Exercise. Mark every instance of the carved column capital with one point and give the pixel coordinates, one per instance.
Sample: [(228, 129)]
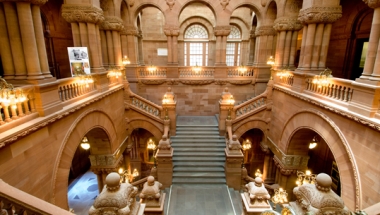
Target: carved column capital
[(265, 30), (320, 15), (252, 32), (112, 23), (287, 24), (82, 13), (171, 30), (130, 30), (372, 3), (222, 30)]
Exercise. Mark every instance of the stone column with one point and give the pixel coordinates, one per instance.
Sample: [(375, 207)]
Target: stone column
[(87, 18), (132, 33), (287, 28), (221, 33), (140, 49), (164, 159), (252, 43), (372, 62), (267, 157), (316, 36), (265, 47), (112, 26), (172, 33), (22, 42)]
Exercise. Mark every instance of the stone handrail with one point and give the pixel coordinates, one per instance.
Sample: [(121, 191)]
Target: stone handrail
[(145, 105), (70, 88), (250, 105), (338, 89), (14, 201), (153, 72), (287, 79), (139, 183), (237, 72), (189, 72)]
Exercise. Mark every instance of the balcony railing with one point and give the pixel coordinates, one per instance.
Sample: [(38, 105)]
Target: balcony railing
[(152, 72), (189, 72), (236, 72), (70, 88), (338, 89)]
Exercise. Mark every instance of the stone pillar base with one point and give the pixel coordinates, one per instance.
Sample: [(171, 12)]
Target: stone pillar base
[(253, 209), (157, 208), (165, 167), (233, 169)]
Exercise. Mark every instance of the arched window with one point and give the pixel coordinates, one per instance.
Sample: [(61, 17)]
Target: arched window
[(196, 46), (233, 47)]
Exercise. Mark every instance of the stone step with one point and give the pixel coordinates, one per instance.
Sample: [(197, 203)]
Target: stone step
[(198, 154), (197, 137), (198, 169), (195, 140), (199, 181), (197, 128), (198, 164), (199, 149), (200, 133), (199, 174), (199, 159), (198, 145)]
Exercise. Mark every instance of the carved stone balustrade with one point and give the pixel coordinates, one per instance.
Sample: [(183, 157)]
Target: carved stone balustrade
[(145, 106), (250, 106)]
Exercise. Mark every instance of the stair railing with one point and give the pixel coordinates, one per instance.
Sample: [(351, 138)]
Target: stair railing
[(14, 201), (146, 106)]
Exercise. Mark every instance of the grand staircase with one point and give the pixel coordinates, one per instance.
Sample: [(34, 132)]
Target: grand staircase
[(198, 155)]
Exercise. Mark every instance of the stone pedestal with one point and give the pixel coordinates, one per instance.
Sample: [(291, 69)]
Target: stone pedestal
[(154, 207), (253, 209), (365, 99), (165, 167), (233, 168)]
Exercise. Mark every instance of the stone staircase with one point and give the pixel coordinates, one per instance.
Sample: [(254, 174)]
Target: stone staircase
[(198, 155)]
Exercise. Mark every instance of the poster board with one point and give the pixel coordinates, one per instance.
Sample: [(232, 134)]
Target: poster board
[(79, 61)]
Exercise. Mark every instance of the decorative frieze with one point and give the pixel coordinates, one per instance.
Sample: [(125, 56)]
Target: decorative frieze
[(82, 13), (320, 15), (265, 31), (287, 24), (112, 23), (222, 30), (372, 3)]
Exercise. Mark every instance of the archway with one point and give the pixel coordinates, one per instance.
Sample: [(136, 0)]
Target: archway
[(253, 156), (333, 136)]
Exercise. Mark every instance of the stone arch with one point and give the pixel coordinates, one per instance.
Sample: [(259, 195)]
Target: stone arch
[(270, 13), (196, 20), (243, 27), (141, 123), (289, 8), (125, 13), (333, 136), (251, 6), (249, 124), (92, 118), (210, 5), (143, 5)]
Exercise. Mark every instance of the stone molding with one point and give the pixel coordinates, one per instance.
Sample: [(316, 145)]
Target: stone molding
[(240, 82), (356, 118), (171, 30), (193, 82), (222, 30), (112, 23), (130, 30), (196, 82), (82, 13), (372, 3), (153, 81), (56, 117), (266, 30), (320, 15), (170, 3), (287, 24), (284, 170)]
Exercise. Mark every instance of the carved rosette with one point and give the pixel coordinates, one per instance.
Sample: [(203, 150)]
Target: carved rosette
[(372, 3), (222, 30), (320, 15), (287, 24), (82, 13), (170, 30), (265, 31), (112, 23)]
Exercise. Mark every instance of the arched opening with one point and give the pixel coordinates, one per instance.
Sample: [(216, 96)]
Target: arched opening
[(83, 183), (253, 155), (307, 142)]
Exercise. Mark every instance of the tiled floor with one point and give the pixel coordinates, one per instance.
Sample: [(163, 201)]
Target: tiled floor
[(82, 193), (197, 120), (200, 200)]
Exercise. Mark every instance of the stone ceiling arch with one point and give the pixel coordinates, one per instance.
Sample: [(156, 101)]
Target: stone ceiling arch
[(196, 20), (145, 4), (334, 138), (254, 123), (211, 5), (270, 13), (125, 13), (243, 27), (141, 123), (251, 5), (92, 118)]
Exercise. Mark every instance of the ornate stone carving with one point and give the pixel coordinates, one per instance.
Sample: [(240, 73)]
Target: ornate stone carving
[(112, 23), (221, 82), (173, 82), (151, 191), (257, 191), (165, 143), (287, 24), (318, 198), (265, 31), (131, 3), (171, 30), (282, 168), (372, 3), (82, 13), (222, 30), (252, 32), (320, 15), (196, 82), (117, 198), (170, 3), (240, 82), (295, 6), (234, 144), (130, 30), (153, 81), (224, 3)]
